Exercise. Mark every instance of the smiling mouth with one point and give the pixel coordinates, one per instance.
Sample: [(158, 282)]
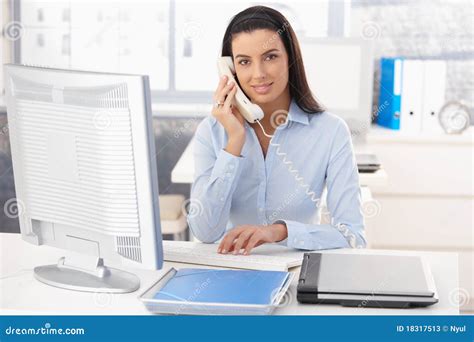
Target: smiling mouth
[(262, 89)]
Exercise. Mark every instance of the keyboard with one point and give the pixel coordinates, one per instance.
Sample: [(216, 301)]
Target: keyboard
[(268, 257)]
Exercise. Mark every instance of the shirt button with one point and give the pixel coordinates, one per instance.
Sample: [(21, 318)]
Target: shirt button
[(222, 199)]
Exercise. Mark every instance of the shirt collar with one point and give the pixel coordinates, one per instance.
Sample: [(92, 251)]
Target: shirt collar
[(296, 114)]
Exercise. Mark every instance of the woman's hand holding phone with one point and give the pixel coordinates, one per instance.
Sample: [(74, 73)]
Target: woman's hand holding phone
[(228, 115)]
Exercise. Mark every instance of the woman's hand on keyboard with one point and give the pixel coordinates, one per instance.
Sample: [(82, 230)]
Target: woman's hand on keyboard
[(247, 237)]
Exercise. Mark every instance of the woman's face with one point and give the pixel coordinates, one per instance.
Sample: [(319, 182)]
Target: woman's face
[(261, 64)]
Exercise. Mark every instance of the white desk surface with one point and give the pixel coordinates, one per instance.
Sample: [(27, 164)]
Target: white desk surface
[(21, 294), (183, 171)]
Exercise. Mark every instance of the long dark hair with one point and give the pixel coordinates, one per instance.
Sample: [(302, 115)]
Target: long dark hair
[(262, 17)]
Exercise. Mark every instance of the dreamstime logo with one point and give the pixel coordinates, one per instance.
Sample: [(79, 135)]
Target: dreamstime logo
[(278, 33), (459, 296), (192, 207), (46, 330), (186, 127), (102, 119), (286, 202), (103, 299), (286, 300), (370, 30), (198, 289), (350, 237), (371, 298), (4, 130), (13, 30), (458, 120), (191, 30), (325, 213), (380, 109), (358, 129), (371, 208), (14, 208), (279, 119)]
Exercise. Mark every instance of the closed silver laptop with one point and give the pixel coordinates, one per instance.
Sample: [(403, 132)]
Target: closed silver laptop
[(366, 280)]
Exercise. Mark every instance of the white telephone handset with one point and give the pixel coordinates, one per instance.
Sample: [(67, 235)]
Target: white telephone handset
[(249, 110)]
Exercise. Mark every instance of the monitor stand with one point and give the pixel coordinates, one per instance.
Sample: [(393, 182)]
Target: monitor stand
[(92, 278)]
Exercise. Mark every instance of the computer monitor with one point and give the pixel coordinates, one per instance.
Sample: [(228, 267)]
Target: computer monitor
[(85, 173), (340, 73)]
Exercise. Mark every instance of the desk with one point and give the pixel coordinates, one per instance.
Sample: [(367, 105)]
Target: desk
[(21, 294), (183, 171)]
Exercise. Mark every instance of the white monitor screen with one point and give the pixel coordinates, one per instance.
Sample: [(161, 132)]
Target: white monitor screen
[(333, 73), (340, 75)]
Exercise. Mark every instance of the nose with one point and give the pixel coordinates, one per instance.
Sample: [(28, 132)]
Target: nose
[(258, 71)]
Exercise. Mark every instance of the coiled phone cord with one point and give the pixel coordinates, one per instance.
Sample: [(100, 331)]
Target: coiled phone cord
[(349, 236)]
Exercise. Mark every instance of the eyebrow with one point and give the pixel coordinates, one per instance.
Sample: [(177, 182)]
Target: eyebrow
[(271, 50)]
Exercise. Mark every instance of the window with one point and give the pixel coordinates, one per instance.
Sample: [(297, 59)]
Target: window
[(126, 37), (199, 32), (175, 42)]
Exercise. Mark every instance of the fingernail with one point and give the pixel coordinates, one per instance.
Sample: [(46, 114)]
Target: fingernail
[(235, 252), (224, 251), (224, 77)]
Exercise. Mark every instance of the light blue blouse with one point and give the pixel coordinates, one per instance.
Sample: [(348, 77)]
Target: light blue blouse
[(306, 154)]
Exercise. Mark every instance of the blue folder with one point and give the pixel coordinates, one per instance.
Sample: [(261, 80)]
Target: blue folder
[(389, 109), (223, 286)]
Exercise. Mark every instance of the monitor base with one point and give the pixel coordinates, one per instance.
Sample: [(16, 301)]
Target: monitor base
[(103, 279)]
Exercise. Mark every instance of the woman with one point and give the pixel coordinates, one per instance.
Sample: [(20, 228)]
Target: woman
[(253, 189)]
